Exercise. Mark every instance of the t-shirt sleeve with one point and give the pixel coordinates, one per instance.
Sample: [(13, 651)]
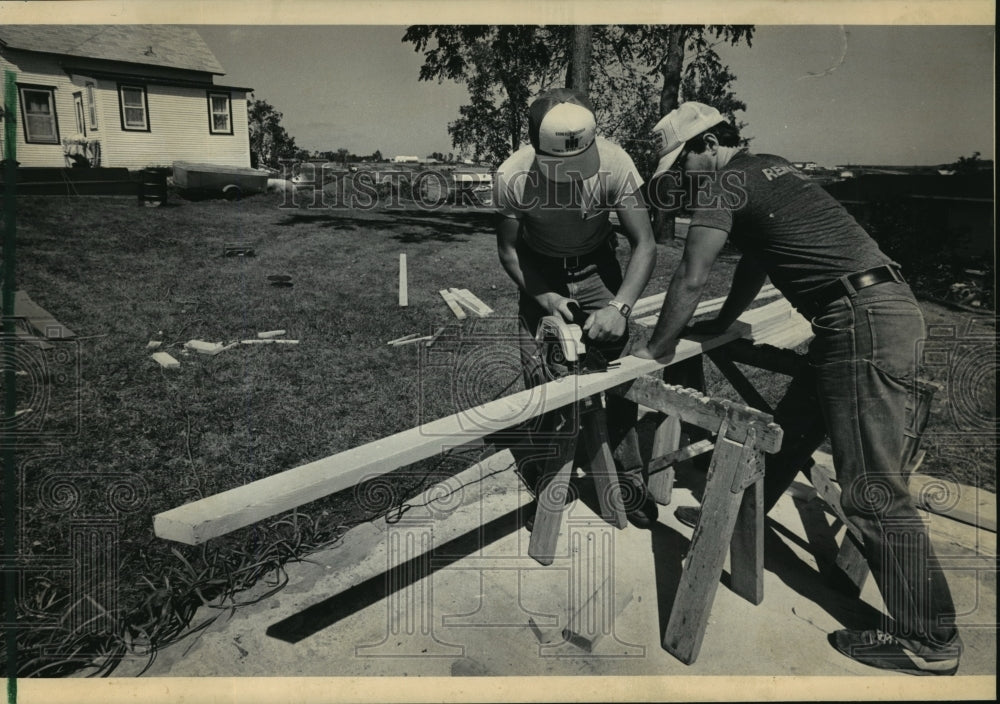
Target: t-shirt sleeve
[(712, 206), (505, 193), (624, 181), (718, 218)]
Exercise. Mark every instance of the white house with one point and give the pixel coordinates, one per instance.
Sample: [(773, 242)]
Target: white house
[(121, 96), (406, 160)]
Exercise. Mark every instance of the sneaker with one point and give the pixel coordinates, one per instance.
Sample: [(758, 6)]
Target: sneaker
[(688, 515), (879, 649)]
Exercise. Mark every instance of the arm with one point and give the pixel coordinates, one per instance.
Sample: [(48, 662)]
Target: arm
[(747, 281), (607, 323), (523, 274), (702, 248)]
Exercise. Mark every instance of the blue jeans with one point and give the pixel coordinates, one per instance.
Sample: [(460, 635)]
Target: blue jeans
[(864, 355), (592, 286)]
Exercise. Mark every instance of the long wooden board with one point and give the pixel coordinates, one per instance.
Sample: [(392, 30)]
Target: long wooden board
[(39, 319), (198, 521)]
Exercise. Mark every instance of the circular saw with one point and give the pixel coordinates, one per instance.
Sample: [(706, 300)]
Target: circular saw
[(563, 346)]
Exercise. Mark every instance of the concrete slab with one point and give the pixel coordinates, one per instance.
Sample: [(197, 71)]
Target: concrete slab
[(448, 590)]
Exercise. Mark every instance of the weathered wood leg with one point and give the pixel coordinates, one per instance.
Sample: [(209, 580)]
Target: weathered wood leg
[(851, 568), (602, 465), (706, 556), (666, 439), (746, 550), (551, 504)]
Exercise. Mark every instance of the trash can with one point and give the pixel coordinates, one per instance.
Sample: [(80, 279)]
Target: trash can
[(152, 188)]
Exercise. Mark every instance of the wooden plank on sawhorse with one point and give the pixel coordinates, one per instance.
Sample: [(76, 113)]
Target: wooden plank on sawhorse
[(559, 470)]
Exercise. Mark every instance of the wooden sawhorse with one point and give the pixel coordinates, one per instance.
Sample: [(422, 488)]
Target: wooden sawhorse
[(731, 511), (850, 568)]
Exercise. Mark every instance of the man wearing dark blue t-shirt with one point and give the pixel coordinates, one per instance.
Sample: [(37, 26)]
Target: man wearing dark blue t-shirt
[(866, 324)]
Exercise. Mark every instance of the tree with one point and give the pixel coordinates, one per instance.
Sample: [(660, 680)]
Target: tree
[(578, 76), (636, 74), (502, 66), (269, 142), (969, 164), (342, 155)]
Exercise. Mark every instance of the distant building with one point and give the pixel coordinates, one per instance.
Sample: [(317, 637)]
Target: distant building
[(121, 96), (406, 160), (806, 165)]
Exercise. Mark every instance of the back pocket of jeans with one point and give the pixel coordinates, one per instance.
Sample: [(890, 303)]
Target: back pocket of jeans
[(896, 329)]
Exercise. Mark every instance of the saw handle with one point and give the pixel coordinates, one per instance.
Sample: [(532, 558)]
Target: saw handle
[(579, 317)]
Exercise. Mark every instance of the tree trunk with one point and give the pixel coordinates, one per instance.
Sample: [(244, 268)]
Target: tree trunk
[(670, 69), (578, 77)]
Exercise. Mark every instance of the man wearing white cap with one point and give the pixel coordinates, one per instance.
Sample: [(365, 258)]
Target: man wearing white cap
[(555, 240), (866, 324)]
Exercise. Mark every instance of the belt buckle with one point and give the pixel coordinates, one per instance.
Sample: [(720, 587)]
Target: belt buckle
[(576, 262)]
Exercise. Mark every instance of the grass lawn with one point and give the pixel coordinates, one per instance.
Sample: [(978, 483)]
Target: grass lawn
[(105, 414)]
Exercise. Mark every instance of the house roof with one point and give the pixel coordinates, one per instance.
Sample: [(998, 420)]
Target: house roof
[(154, 45), (151, 80)]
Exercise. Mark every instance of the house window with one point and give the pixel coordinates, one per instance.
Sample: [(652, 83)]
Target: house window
[(81, 125), (38, 112), (134, 108), (220, 113), (92, 105)]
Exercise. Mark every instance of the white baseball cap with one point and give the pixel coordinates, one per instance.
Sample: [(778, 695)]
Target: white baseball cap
[(562, 129), (680, 125)]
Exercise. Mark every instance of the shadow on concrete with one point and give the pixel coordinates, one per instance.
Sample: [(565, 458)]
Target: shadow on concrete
[(329, 611), (780, 559), (669, 549)]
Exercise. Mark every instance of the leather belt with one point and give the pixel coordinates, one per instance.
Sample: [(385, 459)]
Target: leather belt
[(858, 280), (579, 261)]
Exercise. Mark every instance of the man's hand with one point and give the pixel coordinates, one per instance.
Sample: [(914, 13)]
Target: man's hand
[(662, 353), (554, 304), (707, 327), (605, 325)]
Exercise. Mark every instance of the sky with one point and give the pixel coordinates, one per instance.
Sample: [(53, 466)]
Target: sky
[(830, 94)]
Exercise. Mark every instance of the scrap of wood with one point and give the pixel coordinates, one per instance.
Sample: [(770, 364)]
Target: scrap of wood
[(435, 336), (153, 344), (198, 521), (470, 301), (39, 319), (165, 360), (452, 302), (240, 249), (268, 334), (412, 340), (269, 342), (203, 347), (587, 624), (404, 338), (403, 295)]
